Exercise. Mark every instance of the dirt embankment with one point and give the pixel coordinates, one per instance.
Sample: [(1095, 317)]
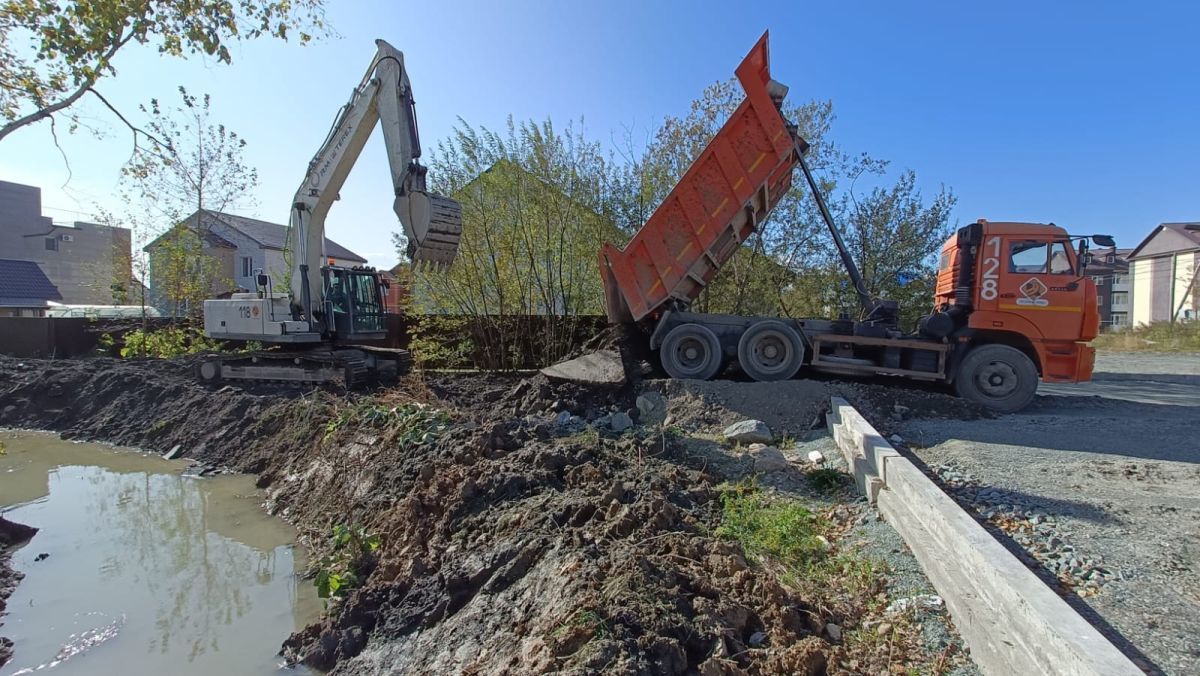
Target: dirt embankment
[(11, 535), (510, 542)]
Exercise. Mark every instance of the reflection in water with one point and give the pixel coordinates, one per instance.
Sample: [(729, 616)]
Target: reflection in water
[(205, 580)]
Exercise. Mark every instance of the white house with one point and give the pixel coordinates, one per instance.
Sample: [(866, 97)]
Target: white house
[(242, 246), (1163, 271)]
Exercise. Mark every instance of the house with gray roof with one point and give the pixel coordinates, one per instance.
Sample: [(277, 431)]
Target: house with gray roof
[(1164, 270), (235, 249), (25, 291)]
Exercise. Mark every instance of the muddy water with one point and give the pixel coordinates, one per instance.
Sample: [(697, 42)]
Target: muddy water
[(149, 572)]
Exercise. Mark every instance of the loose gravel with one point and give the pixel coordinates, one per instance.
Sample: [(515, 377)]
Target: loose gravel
[(1099, 490)]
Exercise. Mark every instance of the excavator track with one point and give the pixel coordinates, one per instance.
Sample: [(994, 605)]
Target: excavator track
[(351, 367)]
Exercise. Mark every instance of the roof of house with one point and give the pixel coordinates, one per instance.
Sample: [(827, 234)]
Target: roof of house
[(22, 283), (1188, 230), (274, 236)]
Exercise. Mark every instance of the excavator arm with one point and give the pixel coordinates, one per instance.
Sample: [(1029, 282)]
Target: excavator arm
[(432, 223)]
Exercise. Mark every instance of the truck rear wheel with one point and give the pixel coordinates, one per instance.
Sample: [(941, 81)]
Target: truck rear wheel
[(691, 351), (998, 377), (770, 350)]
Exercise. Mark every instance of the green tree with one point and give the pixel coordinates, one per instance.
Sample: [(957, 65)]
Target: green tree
[(193, 165), (535, 211), (53, 52), (790, 266)]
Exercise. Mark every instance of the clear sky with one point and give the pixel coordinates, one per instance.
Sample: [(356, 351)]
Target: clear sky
[(1086, 114)]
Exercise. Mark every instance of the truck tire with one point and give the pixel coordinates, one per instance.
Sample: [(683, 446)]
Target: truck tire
[(770, 350), (998, 377), (691, 351)]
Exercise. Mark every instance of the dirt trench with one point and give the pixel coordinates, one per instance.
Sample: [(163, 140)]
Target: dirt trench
[(508, 543)]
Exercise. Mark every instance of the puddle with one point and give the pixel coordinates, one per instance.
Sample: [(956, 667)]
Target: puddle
[(148, 572)]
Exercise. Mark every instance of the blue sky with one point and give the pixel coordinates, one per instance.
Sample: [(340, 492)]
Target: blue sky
[(1084, 114)]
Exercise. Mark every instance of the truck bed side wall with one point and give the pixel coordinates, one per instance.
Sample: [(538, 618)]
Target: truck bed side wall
[(730, 188)]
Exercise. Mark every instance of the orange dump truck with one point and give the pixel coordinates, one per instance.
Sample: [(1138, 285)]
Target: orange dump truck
[(1011, 304)]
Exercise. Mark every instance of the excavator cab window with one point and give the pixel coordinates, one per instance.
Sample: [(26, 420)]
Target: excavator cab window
[(355, 300), (367, 302)]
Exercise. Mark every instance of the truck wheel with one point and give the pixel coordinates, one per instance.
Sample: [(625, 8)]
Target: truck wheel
[(770, 350), (691, 351), (999, 377)]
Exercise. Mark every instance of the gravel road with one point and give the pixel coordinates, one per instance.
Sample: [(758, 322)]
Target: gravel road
[(1100, 482)]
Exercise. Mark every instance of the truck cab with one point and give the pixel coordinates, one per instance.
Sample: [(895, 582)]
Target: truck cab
[(1021, 285)]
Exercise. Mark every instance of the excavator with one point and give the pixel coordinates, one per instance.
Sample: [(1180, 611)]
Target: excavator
[(319, 321)]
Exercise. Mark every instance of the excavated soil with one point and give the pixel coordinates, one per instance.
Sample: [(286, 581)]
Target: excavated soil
[(11, 535), (508, 543)]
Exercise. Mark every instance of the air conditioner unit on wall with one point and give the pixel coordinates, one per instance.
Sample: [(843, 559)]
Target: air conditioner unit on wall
[(67, 238)]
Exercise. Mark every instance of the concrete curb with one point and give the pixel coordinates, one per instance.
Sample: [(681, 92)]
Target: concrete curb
[(1012, 622)]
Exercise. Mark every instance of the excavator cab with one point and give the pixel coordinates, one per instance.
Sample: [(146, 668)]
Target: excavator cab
[(354, 303)]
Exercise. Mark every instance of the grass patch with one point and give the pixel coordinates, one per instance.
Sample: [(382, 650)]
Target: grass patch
[(411, 423), (767, 526), (1157, 337), (828, 480), (785, 535)]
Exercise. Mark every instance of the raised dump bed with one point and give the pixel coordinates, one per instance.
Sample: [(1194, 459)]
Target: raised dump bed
[(730, 188)]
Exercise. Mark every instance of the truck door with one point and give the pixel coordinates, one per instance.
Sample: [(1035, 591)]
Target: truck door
[(1035, 278)]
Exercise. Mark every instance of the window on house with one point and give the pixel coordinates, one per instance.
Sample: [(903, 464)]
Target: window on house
[(1120, 319), (51, 244), (1120, 279), (247, 267), (1120, 298), (1100, 301)]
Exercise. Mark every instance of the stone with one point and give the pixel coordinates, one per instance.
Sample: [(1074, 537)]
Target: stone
[(748, 432), (816, 457), (901, 409), (834, 632), (602, 367), (757, 639), (620, 421), (173, 453), (896, 439), (652, 408), (884, 628), (769, 459)]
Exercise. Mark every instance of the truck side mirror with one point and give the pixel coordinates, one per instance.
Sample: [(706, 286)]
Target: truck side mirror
[(1104, 240)]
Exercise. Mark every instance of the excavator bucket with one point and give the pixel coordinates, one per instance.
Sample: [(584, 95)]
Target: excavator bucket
[(434, 228)]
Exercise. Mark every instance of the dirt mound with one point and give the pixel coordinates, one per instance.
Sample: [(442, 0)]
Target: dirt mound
[(11, 535), (579, 554), (793, 407), (152, 404), (510, 542)]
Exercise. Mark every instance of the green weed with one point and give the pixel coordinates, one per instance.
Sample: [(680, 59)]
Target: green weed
[(412, 423), (351, 550), (827, 479), (766, 526)]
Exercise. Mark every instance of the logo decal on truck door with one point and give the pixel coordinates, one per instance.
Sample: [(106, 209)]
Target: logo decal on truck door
[(1032, 291)]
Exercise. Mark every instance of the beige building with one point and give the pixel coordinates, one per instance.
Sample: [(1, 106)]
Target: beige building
[(89, 264), (1163, 273)]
